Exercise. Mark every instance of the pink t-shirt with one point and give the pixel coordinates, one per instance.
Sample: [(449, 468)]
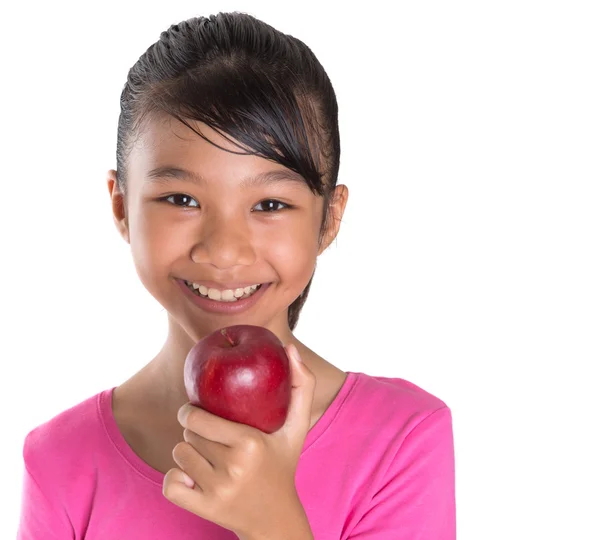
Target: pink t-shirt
[(378, 465)]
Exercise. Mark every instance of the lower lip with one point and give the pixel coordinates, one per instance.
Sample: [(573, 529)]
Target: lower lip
[(228, 308)]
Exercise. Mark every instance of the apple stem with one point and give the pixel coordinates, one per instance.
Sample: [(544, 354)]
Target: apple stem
[(223, 331)]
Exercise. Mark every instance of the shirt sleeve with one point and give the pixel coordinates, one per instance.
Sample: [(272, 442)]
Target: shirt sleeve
[(417, 498), (41, 518)]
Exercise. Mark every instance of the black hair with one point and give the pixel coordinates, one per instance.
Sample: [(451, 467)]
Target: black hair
[(262, 88)]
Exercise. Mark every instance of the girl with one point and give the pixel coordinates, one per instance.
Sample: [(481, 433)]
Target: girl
[(226, 190)]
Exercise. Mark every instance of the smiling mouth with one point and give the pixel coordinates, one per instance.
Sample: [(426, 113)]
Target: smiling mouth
[(229, 296)]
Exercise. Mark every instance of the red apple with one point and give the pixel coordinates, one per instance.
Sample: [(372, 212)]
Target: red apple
[(241, 373)]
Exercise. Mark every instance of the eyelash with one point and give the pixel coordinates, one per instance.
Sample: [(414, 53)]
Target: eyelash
[(287, 206)]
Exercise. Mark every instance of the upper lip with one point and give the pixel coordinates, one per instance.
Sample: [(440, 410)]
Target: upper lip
[(223, 286)]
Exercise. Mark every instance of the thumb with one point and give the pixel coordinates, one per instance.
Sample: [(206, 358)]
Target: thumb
[(303, 383)]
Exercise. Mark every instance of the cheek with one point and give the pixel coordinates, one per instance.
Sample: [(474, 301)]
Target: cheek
[(154, 246), (292, 252)]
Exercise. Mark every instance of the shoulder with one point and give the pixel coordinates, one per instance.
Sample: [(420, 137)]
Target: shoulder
[(401, 441), (396, 424), (395, 400), (62, 441), (386, 415)]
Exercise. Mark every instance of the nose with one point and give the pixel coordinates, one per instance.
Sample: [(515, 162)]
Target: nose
[(223, 244)]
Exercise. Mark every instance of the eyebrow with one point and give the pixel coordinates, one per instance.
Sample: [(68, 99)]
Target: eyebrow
[(166, 173)]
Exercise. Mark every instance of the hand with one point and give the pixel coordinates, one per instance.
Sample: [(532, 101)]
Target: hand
[(238, 476)]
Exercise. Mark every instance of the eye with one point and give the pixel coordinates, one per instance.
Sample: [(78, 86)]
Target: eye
[(268, 206), (271, 204), (181, 197)]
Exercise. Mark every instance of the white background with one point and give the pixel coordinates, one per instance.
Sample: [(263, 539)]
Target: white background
[(467, 262)]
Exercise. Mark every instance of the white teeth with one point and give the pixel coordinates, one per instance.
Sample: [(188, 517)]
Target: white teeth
[(227, 295), (214, 294)]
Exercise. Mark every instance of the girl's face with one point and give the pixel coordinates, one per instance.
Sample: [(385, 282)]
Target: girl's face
[(214, 224)]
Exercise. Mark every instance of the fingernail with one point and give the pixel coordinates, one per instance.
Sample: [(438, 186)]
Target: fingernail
[(188, 481), (297, 354)]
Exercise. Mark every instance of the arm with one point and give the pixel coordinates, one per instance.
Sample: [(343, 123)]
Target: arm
[(416, 500), (289, 532), (41, 518), (294, 526)]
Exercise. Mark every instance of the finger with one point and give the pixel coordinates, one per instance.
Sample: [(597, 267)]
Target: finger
[(215, 453), (304, 383), (212, 427), (177, 491), (178, 476), (194, 464)]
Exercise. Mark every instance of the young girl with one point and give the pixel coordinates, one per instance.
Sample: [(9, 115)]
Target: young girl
[(227, 160)]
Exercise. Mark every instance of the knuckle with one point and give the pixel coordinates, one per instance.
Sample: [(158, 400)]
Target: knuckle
[(167, 490), (235, 471), (251, 444), (180, 451), (168, 483)]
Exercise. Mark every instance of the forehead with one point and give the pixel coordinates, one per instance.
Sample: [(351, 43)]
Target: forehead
[(164, 132), (167, 149)]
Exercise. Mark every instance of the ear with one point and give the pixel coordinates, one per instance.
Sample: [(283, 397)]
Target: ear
[(119, 205), (337, 205)]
